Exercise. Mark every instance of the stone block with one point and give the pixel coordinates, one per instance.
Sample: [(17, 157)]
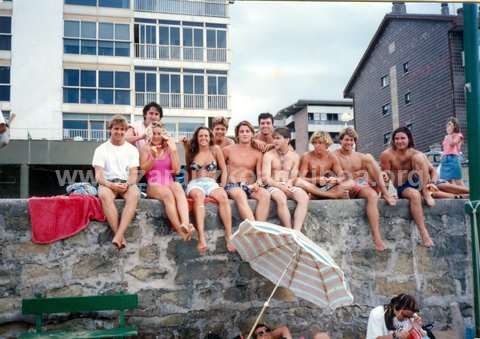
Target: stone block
[(148, 273), (93, 265)]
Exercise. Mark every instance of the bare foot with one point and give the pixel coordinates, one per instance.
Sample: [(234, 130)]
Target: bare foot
[(183, 231), (379, 245), (428, 199), (202, 247), (391, 201), (230, 246), (427, 241), (119, 244), (191, 230)]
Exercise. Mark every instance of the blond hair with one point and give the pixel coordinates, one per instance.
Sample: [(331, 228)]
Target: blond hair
[(349, 131), (149, 129), (323, 137), (118, 120), (220, 121)]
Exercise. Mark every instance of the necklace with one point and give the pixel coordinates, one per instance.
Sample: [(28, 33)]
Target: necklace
[(281, 158)]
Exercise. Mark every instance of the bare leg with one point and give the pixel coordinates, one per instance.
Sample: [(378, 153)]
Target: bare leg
[(420, 165), (416, 209), (225, 214), (282, 208), (453, 188), (373, 215), (240, 198), (263, 204), (131, 197), (443, 195), (340, 191), (199, 212), (107, 197), (301, 197), (182, 209)]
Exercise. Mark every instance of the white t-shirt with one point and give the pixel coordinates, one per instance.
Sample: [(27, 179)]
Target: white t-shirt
[(2, 118), (376, 324), (116, 160)]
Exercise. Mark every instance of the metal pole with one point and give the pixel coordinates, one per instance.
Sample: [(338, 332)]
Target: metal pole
[(472, 69)]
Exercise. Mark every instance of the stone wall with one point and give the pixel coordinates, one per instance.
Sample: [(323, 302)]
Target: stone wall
[(184, 295)]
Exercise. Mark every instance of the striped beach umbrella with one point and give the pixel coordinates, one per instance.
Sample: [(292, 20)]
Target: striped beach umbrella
[(290, 259)]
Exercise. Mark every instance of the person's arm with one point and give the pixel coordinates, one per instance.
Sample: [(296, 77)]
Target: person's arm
[(303, 170), (221, 165), (375, 173), (267, 170), (174, 158), (132, 176), (146, 161), (294, 171), (131, 137), (455, 139), (337, 168), (100, 177), (258, 169), (281, 332)]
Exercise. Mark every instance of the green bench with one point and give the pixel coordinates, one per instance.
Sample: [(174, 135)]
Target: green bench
[(40, 306)]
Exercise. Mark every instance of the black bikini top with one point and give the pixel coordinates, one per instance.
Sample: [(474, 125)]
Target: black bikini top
[(210, 167)]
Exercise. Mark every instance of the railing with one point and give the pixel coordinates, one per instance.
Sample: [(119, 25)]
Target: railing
[(329, 122), (174, 52), (193, 101), (216, 8), (217, 102), (84, 134), (216, 54), (170, 100), (143, 98)]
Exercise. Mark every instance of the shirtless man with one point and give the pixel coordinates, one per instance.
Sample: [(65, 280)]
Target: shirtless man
[(409, 171), (280, 170), (320, 172), (263, 140), (219, 129), (244, 168), (136, 131), (362, 167)]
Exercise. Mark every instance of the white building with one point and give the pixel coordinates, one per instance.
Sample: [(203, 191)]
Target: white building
[(66, 66), (308, 116)]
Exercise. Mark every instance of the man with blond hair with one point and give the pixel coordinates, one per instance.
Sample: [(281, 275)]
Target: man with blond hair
[(367, 176), (280, 171), (320, 172), (219, 129), (116, 162), (244, 168)]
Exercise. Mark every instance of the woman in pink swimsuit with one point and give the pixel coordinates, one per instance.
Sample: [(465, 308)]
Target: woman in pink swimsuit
[(159, 159)]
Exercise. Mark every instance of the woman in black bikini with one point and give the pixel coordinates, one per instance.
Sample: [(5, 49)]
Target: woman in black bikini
[(203, 161)]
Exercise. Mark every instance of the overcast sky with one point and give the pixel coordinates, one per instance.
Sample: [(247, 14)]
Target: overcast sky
[(286, 51)]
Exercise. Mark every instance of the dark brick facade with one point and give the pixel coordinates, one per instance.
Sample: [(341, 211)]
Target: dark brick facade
[(435, 80)]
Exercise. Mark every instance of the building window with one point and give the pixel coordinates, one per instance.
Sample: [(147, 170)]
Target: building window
[(86, 126), (217, 92), (405, 68), (5, 33), (192, 43), (410, 127), (145, 88), (386, 138), (4, 83), (92, 87), (216, 45), (170, 90), (386, 109), (80, 37), (194, 90), (384, 81), (169, 41), (100, 3), (408, 98), (310, 117), (332, 117)]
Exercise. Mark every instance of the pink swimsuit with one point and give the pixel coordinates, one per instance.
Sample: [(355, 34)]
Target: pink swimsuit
[(161, 171)]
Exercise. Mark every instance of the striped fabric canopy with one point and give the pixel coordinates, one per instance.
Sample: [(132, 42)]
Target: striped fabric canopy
[(312, 274)]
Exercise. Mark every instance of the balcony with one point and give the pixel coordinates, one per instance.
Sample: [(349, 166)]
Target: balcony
[(177, 100), (102, 135), (328, 122), (173, 52), (212, 8)]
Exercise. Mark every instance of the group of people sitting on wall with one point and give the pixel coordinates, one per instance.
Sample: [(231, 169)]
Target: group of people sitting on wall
[(262, 166)]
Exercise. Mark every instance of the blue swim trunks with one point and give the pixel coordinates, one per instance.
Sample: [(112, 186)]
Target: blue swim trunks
[(413, 182), (242, 185)]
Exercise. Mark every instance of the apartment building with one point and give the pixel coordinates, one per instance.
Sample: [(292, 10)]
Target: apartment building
[(67, 66)]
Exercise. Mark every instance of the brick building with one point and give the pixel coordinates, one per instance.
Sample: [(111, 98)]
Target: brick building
[(411, 74)]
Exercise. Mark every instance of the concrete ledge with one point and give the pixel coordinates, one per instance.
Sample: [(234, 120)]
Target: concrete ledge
[(183, 295)]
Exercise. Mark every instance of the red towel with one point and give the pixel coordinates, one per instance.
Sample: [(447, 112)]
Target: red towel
[(60, 217)]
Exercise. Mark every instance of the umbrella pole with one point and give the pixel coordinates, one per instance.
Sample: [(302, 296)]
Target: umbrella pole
[(265, 305)]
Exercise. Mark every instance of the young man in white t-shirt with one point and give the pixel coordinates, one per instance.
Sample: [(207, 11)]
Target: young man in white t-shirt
[(116, 169)]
